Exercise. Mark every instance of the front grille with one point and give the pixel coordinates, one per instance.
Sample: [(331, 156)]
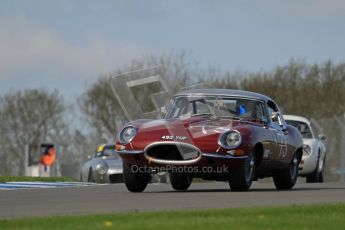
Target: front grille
[(172, 151)]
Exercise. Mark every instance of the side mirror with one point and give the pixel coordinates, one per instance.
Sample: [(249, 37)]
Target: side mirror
[(274, 117), (322, 137), (264, 120), (89, 157), (163, 111)]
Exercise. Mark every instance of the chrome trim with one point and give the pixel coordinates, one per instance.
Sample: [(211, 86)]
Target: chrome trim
[(172, 162), (119, 136), (129, 151), (223, 156), (112, 171), (225, 133)]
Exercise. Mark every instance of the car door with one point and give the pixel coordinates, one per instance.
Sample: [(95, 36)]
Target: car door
[(278, 127), (267, 134)]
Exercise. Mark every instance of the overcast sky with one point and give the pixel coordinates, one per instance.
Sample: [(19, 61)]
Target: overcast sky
[(66, 44)]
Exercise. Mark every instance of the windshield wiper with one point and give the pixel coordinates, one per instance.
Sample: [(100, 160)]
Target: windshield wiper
[(231, 117), (202, 114), (253, 120)]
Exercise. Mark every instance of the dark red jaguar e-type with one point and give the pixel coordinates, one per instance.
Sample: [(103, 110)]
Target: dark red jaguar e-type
[(214, 134)]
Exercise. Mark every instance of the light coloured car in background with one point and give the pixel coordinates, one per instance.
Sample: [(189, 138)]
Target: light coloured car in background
[(105, 166), (314, 154)]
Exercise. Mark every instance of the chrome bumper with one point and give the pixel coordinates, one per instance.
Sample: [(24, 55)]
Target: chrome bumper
[(212, 155)]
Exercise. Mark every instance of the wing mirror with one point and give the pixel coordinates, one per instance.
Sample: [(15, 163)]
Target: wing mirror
[(274, 117), (89, 157), (264, 120), (163, 111), (322, 137)]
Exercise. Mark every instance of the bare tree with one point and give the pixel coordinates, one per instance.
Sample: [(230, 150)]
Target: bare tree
[(101, 107), (27, 118)]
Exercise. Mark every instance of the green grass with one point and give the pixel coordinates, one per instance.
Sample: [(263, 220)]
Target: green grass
[(38, 179), (291, 217)]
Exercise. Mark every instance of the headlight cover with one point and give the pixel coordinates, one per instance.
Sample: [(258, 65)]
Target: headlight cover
[(102, 168), (127, 135), (230, 139)]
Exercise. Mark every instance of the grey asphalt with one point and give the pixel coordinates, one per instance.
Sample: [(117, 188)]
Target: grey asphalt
[(115, 198)]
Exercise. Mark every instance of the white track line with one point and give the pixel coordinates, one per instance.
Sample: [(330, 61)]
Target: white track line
[(26, 185)]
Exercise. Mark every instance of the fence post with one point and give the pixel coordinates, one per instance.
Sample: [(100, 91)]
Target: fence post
[(342, 155), (26, 160)]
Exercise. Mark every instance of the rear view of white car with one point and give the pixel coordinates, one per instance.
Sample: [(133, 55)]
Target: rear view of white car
[(314, 153)]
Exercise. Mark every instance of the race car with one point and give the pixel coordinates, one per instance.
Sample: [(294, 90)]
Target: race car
[(105, 166), (312, 165), (213, 134)]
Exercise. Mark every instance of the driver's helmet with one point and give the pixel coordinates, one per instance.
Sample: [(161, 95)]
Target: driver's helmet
[(99, 150), (246, 108)]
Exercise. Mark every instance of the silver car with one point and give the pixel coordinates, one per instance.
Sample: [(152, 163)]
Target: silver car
[(105, 166), (314, 154)]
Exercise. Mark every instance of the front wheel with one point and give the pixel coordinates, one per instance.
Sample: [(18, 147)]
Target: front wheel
[(321, 176), (285, 179), (242, 178), (135, 181), (90, 177), (317, 175), (180, 181)]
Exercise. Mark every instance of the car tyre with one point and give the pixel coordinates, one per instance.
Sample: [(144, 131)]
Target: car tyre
[(242, 178), (321, 174), (90, 177), (286, 178), (317, 175), (314, 177), (135, 181), (180, 181)]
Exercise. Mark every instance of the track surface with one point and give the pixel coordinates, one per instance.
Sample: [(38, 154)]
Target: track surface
[(115, 198)]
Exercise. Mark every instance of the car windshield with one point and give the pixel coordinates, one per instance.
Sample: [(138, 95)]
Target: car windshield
[(302, 127), (228, 107), (107, 151)]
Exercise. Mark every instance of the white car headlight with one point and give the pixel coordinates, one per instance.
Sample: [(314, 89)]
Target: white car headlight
[(230, 139), (127, 135), (102, 168), (306, 150)]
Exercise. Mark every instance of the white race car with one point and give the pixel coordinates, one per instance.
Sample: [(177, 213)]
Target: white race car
[(314, 153)]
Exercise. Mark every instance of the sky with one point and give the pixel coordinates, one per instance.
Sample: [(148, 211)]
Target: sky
[(67, 44)]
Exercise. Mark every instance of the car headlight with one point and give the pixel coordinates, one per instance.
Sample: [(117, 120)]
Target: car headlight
[(102, 168), (127, 135), (306, 150), (230, 139)]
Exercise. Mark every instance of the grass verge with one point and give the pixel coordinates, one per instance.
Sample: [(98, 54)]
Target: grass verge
[(35, 179), (330, 216)]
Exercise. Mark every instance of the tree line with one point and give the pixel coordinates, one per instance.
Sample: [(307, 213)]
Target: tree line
[(33, 116)]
